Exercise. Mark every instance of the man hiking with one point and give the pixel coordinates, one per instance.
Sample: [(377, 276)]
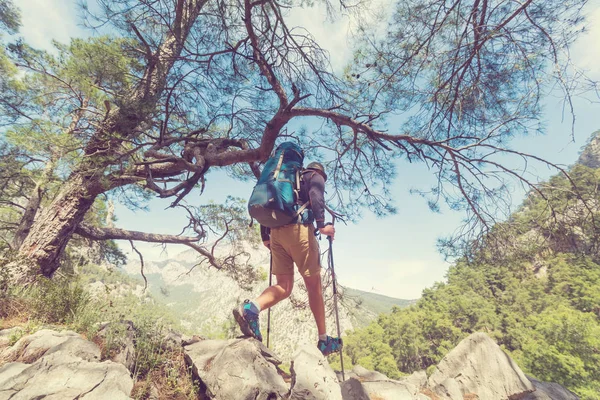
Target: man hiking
[(295, 243)]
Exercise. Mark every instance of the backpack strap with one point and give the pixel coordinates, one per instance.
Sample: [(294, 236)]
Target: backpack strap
[(278, 169), (298, 214)]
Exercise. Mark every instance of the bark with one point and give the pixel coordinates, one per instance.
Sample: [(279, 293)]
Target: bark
[(55, 225)]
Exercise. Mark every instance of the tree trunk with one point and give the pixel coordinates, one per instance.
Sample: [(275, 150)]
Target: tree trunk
[(54, 226)]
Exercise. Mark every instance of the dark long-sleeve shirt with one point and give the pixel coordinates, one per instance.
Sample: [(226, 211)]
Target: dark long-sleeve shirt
[(312, 189)]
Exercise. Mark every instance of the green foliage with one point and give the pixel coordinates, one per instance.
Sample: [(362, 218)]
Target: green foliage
[(15, 336), (58, 300)]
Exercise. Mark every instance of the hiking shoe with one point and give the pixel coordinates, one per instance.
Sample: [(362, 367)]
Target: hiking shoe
[(330, 345), (248, 320)]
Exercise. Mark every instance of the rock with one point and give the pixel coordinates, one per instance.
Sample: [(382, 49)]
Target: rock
[(236, 369), (175, 340), (187, 340), (312, 377), (479, 367), (363, 374), (118, 339), (417, 378), (549, 391), (352, 389), (391, 390), (30, 348), (376, 385), (450, 389), (61, 365)]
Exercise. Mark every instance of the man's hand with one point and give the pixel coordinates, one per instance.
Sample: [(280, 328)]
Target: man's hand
[(267, 244), (328, 230)]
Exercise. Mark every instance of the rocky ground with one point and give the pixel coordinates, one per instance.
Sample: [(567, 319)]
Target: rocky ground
[(62, 365)]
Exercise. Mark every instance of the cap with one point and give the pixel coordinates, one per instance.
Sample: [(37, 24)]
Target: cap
[(317, 166)]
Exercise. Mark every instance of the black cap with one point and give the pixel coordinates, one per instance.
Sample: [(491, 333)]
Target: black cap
[(317, 166)]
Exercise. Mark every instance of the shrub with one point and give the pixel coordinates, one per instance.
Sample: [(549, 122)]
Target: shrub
[(58, 300)]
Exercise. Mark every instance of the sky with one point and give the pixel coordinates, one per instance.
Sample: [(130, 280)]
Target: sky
[(395, 255)]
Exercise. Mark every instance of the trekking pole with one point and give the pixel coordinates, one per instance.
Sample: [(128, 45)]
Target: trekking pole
[(269, 311), (335, 303)]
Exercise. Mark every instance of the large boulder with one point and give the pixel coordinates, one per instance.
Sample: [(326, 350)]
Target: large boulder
[(236, 369), (30, 348), (60, 365), (364, 384), (478, 366), (312, 377), (549, 391)]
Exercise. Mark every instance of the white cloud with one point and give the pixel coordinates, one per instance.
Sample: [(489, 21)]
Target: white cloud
[(47, 20), (335, 36), (586, 51)]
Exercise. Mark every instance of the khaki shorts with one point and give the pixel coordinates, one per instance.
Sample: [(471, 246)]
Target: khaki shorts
[(295, 243)]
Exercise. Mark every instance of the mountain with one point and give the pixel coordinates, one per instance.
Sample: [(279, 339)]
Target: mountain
[(204, 298)]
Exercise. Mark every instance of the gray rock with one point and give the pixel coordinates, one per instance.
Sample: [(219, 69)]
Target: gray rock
[(479, 367), (32, 347), (378, 386), (391, 390), (417, 378), (352, 389), (236, 369), (450, 389), (549, 391), (68, 369), (312, 377), (77, 347)]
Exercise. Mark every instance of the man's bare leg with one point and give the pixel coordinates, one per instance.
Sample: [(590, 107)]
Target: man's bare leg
[(274, 294), (315, 300)]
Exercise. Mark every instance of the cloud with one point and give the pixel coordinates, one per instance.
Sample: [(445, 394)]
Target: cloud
[(44, 21), (586, 50), (335, 35)]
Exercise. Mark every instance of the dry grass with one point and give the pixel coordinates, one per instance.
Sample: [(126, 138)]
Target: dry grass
[(172, 380), (13, 312), (32, 357)]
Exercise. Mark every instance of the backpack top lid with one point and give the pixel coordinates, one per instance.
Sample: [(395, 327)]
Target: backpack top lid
[(295, 148), (293, 158)]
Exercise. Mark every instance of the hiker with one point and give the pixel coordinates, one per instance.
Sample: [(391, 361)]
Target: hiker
[(295, 243)]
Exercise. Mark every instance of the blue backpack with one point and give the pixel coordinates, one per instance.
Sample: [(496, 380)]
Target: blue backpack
[(275, 200)]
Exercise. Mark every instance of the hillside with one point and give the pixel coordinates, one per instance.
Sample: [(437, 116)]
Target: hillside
[(377, 303), (533, 285)]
